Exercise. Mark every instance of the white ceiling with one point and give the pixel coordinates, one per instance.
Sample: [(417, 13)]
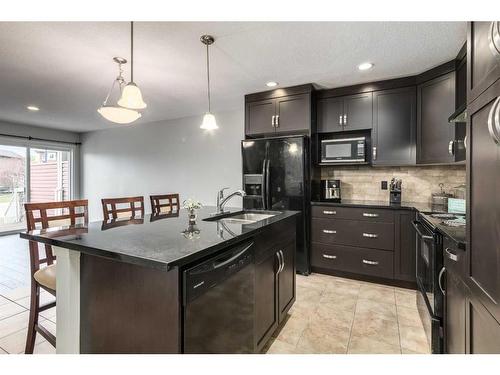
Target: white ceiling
[(66, 68)]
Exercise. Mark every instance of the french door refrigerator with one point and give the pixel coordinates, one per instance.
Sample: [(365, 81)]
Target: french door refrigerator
[(276, 177)]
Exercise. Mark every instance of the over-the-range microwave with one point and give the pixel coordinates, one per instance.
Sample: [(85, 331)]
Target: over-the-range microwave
[(343, 150)]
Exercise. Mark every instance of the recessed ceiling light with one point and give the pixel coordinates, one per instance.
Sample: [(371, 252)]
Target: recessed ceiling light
[(33, 108), (271, 84), (365, 66)]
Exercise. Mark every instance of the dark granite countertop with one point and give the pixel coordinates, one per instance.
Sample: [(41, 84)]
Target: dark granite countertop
[(162, 241), (419, 206), (457, 234)]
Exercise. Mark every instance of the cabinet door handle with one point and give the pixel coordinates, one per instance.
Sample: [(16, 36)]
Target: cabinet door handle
[(272, 120), (330, 212), (340, 120), (277, 121), (440, 276), (451, 148), (494, 38), (328, 231), (494, 121), (370, 235), (280, 262), (327, 256), (450, 255), (366, 214), (345, 120), (374, 153), (370, 262)]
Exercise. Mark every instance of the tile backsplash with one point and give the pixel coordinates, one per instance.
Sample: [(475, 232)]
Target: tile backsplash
[(364, 182)]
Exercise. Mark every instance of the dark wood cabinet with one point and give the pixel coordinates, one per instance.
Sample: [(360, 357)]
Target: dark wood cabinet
[(376, 242), (286, 281), (435, 103), (482, 331), (404, 246), (394, 127), (281, 111), (483, 203), (266, 295), (455, 314), (259, 117), (353, 112), (483, 57)]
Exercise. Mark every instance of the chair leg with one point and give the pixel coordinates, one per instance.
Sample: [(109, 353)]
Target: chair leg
[(34, 306)]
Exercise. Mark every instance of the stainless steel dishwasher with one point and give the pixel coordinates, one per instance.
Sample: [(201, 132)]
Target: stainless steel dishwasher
[(219, 303)]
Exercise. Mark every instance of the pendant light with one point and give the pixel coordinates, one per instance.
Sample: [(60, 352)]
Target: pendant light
[(131, 95), (116, 113), (209, 122)]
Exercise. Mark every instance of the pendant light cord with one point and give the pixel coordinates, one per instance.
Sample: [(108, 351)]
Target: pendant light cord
[(132, 51), (208, 80)]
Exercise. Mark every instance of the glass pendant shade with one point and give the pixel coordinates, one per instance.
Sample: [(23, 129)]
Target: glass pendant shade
[(209, 122), (118, 114), (132, 97)]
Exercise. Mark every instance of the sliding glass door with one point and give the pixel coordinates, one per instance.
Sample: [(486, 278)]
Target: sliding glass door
[(13, 178), (31, 174)]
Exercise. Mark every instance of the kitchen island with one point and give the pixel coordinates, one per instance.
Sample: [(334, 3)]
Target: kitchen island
[(123, 287)]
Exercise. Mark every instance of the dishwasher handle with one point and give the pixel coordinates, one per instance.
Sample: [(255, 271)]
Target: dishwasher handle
[(219, 264)]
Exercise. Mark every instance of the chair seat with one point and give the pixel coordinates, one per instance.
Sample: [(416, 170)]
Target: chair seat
[(46, 276)]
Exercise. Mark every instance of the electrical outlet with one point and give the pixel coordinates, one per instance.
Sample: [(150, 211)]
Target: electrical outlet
[(383, 185)]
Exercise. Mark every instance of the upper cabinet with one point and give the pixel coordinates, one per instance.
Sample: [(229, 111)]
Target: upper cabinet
[(353, 112), (435, 135), (394, 127), (483, 57), (282, 111)]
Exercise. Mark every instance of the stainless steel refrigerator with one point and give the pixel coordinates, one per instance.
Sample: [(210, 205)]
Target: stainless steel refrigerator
[(276, 177)]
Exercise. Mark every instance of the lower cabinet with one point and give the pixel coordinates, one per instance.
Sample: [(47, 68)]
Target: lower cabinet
[(366, 241), (455, 314), (274, 289), (482, 330)]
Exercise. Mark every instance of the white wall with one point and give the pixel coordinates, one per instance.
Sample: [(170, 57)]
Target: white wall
[(163, 157)]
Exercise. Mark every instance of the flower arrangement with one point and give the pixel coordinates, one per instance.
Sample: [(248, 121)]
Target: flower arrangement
[(191, 204)]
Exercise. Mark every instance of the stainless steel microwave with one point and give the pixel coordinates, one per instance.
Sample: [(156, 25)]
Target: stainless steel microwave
[(343, 150)]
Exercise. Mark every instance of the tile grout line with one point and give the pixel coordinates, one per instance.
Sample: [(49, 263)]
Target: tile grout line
[(397, 319), (352, 324)]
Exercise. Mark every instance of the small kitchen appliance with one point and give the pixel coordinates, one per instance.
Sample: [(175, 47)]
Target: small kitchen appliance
[(330, 190), (395, 192), (343, 151)]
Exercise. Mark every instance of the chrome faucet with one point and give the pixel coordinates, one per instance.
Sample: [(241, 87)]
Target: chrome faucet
[(221, 200)]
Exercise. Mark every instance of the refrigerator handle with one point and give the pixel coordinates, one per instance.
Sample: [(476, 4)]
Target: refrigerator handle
[(268, 193), (263, 186)]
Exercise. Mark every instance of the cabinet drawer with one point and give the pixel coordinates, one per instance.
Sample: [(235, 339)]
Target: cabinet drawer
[(454, 258), (353, 213), (353, 259), (353, 233)]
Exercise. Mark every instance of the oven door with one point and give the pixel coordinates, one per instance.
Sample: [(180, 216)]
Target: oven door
[(425, 263), (347, 150)]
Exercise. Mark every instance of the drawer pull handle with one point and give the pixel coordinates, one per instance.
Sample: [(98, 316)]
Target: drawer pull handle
[(450, 255), (329, 256), (330, 212), (328, 231), (370, 262), (366, 214), (370, 235)]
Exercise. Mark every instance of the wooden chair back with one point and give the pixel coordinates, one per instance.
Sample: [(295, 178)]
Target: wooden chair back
[(52, 214), (113, 208), (166, 203)]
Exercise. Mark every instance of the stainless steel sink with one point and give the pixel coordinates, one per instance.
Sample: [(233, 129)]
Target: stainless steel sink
[(246, 217)]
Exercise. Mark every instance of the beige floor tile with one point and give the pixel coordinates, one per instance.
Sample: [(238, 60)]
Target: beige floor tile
[(10, 309), (14, 323), (291, 331), (280, 347), (15, 342), (366, 345), (413, 338), (376, 329), (408, 351), (299, 310), (3, 301), (323, 339), (369, 309), (348, 288), (18, 293), (406, 298), (332, 317), (308, 295), (49, 314), (3, 351), (312, 282), (44, 298), (409, 317), (44, 348), (377, 294), (337, 301)]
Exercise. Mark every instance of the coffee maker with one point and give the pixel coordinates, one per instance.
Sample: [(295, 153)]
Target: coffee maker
[(330, 190)]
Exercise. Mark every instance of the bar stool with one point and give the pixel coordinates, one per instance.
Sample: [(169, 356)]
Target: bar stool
[(114, 208), (166, 203)]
